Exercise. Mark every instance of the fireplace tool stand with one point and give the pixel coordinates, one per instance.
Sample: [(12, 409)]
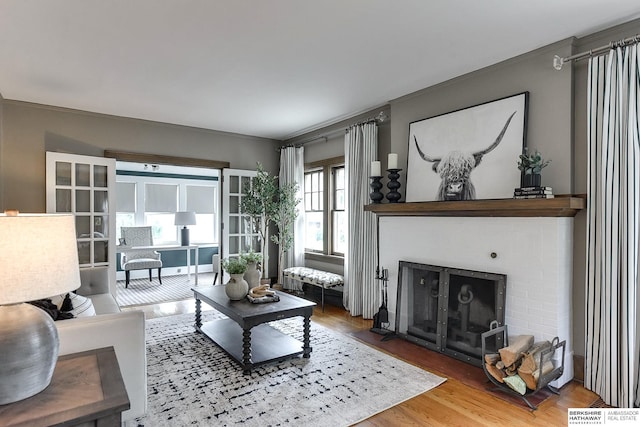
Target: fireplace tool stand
[(381, 318)]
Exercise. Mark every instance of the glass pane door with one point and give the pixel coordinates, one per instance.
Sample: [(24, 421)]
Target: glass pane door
[(238, 235), (84, 186)]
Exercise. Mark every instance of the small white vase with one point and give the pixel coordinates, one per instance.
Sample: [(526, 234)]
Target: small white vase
[(237, 288), (252, 275)]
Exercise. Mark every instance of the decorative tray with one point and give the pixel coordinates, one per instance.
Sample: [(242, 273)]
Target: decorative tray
[(264, 299)]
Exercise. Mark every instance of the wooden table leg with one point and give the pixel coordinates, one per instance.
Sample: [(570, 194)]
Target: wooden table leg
[(307, 337), (246, 351)]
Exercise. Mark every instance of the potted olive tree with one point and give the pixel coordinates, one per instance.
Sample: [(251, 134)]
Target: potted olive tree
[(284, 217), (531, 166), (258, 202), (265, 202)]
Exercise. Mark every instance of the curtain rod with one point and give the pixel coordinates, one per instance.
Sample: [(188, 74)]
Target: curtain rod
[(558, 61), (381, 117)]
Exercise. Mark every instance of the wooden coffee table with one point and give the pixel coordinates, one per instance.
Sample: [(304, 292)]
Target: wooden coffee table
[(245, 335)]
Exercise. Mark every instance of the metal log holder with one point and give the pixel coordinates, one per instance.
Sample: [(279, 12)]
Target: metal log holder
[(500, 335)]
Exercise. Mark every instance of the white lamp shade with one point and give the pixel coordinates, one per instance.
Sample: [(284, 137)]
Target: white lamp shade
[(38, 257), (185, 218)]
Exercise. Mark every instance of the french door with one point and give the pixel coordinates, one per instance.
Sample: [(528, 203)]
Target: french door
[(84, 186), (238, 235)]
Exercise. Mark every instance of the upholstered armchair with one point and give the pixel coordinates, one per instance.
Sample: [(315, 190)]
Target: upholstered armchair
[(139, 259)]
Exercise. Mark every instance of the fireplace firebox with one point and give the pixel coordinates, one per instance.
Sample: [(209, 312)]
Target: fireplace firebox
[(447, 309)]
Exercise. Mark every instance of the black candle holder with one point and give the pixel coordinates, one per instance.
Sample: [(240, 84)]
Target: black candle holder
[(376, 186), (393, 196)]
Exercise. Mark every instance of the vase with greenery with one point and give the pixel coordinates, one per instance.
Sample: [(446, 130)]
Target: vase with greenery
[(531, 165), (252, 275), (259, 203), (236, 288)]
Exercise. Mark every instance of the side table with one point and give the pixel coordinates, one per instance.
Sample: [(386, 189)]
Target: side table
[(86, 389)]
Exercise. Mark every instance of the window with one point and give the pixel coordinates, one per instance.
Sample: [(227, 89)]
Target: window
[(313, 207), (324, 203), (125, 205), (338, 214), (201, 199), (160, 206), (145, 199)]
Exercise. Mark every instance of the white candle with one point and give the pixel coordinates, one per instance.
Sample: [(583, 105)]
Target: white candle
[(375, 168), (392, 161)]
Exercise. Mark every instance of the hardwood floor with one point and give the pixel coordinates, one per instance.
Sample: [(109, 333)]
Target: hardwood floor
[(453, 403)]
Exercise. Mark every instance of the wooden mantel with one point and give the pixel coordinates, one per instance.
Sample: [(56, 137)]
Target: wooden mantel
[(559, 206)]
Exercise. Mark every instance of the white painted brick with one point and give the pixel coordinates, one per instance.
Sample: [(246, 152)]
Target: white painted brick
[(539, 272)]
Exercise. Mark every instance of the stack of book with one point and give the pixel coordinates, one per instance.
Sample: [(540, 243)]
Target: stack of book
[(533, 193)]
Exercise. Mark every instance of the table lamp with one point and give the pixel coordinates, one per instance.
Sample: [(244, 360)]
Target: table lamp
[(184, 219), (38, 259)]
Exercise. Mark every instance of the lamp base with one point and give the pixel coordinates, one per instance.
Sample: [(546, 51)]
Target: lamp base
[(184, 236), (29, 342)]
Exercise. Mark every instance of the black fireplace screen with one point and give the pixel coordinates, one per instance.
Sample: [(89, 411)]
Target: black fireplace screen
[(448, 309)]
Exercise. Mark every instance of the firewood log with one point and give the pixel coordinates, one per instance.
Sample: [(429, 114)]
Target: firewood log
[(531, 359), (531, 378), (511, 370), (514, 351), (491, 358), (516, 383), (495, 372), (500, 364)]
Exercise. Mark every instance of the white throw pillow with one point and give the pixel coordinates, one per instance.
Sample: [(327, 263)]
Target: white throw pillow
[(82, 306)]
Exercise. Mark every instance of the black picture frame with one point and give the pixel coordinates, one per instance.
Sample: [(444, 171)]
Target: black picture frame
[(468, 154)]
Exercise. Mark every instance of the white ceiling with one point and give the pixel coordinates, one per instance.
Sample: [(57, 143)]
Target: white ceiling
[(270, 68)]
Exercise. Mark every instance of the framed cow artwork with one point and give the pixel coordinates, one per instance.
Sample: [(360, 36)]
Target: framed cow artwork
[(468, 154)]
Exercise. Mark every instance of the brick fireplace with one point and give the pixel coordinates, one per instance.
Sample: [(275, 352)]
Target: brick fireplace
[(534, 253), (447, 309)]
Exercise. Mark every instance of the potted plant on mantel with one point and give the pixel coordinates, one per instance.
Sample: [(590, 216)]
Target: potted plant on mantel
[(531, 166)]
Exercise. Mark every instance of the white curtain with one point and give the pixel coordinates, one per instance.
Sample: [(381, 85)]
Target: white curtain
[(361, 148), (292, 171), (612, 352)]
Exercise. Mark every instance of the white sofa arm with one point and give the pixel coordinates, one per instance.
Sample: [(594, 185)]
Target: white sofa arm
[(126, 333)]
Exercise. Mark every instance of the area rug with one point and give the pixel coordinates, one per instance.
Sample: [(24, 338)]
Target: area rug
[(173, 288), (192, 382)]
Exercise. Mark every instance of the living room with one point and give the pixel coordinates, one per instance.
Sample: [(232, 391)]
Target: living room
[(556, 125)]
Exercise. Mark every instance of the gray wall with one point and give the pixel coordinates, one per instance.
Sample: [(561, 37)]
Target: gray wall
[(334, 147), (30, 129), (556, 125), (1, 153), (548, 120)]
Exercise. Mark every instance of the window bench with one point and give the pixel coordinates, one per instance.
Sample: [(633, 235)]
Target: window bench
[(314, 277)]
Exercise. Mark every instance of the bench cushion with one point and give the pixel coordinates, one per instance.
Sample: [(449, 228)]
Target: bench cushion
[(314, 277)]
